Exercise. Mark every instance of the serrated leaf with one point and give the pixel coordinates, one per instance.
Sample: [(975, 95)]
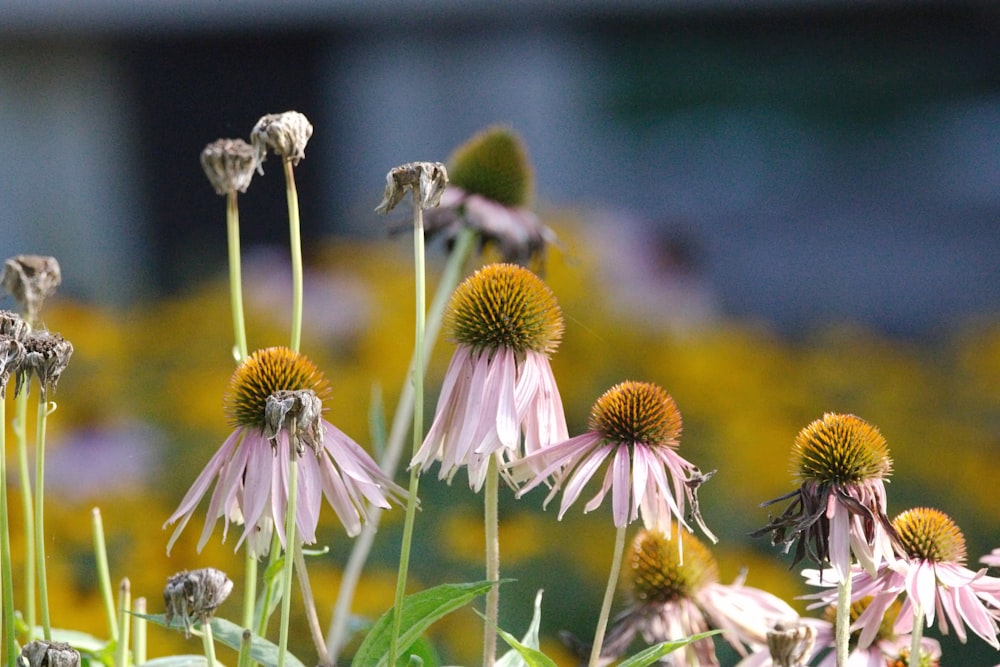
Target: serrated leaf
[(419, 612), (653, 653), (231, 634)]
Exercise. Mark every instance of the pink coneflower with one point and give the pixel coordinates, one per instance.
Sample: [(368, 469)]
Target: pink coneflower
[(274, 401), (839, 508), (992, 559), (499, 384), (934, 578), (670, 598), (636, 426)]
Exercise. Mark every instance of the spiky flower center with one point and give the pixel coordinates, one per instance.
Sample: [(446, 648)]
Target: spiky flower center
[(637, 412), (655, 571), (841, 449), (929, 534), (264, 373), (504, 305), (493, 164)]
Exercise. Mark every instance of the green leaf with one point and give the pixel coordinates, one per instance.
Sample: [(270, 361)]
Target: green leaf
[(420, 610), (653, 653), (530, 657), (231, 634), (177, 661), (514, 657)]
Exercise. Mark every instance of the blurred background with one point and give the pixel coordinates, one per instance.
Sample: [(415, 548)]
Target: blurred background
[(772, 208)]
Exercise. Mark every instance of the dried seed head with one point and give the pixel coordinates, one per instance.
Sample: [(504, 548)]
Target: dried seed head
[(229, 165), (494, 164), (841, 449), (46, 356), (426, 180), (298, 413), (265, 373), (791, 646), (656, 573), (13, 325), (637, 412), (31, 279), (286, 134), (195, 595), (504, 305), (11, 357), (43, 653), (929, 534)]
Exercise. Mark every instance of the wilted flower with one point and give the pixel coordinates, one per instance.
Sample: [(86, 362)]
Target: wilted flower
[(194, 596), (499, 384), (635, 425), (839, 508), (274, 402), (44, 653), (11, 357), (426, 180), (31, 279), (670, 597), (790, 645), (229, 165), (933, 576), (490, 189), (46, 356), (286, 134)]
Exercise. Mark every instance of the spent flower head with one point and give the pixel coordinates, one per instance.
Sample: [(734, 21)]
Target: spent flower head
[(46, 653), (194, 596), (46, 356), (31, 279), (11, 357), (426, 180), (490, 191), (842, 463), (635, 426), (275, 405), (285, 134), (670, 597), (229, 165), (499, 384)]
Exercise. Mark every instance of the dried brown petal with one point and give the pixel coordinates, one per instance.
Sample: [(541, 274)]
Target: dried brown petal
[(11, 358), (46, 356), (31, 279), (791, 646), (229, 165), (42, 653), (195, 595), (286, 134), (300, 414), (426, 180)]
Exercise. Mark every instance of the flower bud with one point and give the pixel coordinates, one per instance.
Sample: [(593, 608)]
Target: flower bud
[(229, 165)]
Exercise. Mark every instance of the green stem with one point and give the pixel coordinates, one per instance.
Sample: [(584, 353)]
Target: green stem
[(103, 573), (208, 643), (269, 585), (402, 418), (244, 659), (139, 634), (491, 526), (609, 596), (420, 271), (43, 587), (235, 278), (843, 621), (124, 603), (249, 589), (295, 241), (27, 506), (290, 538), (916, 635), (309, 602), (6, 566)]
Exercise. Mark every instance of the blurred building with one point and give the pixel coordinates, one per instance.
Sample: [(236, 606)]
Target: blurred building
[(828, 159)]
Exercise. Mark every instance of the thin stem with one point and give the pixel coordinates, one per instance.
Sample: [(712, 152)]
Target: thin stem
[(419, 367), (609, 596), (43, 587), (290, 537), (6, 567), (244, 659), (208, 642), (139, 634), (401, 421), (124, 604), (27, 506), (309, 602), (916, 635), (491, 526), (295, 242), (843, 622), (249, 588), (265, 605), (235, 278), (103, 573)]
